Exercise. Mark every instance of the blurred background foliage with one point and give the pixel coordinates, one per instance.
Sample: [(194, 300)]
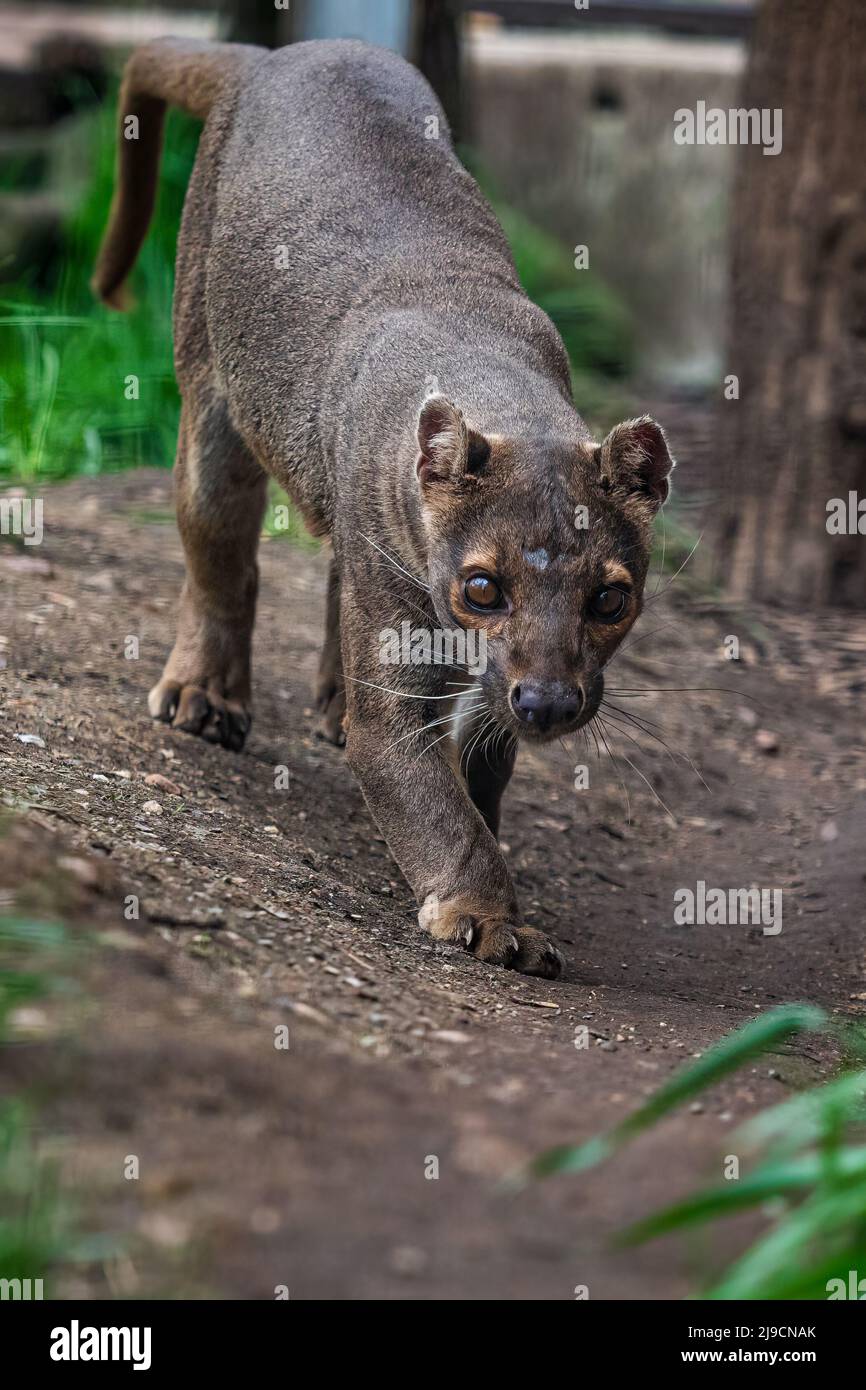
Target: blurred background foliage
[(64, 359)]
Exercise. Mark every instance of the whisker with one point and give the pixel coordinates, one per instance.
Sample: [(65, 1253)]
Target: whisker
[(422, 612), (664, 549), (396, 564), (622, 729), (490, 743), (643, 637), (613, 765), (677, 572), (473, 743), (591, 730), (470, 746), (645, 779), (475, 713), (413, 733), (403, 694), (673, 754), (432, 744), (639, 690), (507, 737), (640, 719)]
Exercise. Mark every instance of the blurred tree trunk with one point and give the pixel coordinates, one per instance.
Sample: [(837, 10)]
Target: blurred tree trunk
[(796, 437), (261, 23), (436, 52)]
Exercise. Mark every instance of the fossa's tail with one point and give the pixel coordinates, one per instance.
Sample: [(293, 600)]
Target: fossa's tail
[(167, 72)]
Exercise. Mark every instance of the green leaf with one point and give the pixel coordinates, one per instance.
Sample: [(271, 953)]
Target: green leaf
[(769, 1181), (759, 1035), (786, 1247), (802, 1119)]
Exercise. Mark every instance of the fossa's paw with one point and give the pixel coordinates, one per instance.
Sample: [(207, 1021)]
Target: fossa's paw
[(200, 711), (537, 955), (331, 704), (491, 936)]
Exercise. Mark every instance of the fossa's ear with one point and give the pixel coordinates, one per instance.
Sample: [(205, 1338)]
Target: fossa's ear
[(635, 459), (447, 449)]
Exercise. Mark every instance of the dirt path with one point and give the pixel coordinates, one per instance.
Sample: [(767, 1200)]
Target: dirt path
[(260, 907)]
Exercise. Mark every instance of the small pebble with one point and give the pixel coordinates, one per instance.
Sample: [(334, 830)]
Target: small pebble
[(767, 741), (156, 779)]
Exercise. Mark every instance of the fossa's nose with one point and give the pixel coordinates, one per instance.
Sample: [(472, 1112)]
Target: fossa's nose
[(546, 704)]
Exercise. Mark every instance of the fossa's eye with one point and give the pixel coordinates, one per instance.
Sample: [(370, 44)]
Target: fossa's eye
[(482, 593), (608, 605)]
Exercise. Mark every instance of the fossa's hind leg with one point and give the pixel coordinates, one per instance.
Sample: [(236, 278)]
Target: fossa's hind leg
[(220, 496), (330, 688)]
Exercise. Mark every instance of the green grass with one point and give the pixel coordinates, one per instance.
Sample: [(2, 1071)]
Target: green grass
[(283, 522), (35, 1234), (803, 1167), (65, 360)]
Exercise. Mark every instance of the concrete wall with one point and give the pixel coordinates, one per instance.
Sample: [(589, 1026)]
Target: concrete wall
[(578, 132)]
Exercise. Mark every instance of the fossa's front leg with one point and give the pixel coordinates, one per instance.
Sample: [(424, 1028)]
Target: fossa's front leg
[(437, 836)]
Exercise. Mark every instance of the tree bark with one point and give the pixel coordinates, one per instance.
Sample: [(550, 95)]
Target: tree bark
[(796, 437)]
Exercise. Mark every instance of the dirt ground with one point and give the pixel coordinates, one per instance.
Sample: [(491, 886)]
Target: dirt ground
[(308, 1166)]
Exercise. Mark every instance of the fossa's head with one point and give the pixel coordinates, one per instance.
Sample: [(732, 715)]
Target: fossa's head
[(543, 546)]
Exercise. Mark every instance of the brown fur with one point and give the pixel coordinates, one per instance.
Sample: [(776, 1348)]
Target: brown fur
[(348, 319)]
